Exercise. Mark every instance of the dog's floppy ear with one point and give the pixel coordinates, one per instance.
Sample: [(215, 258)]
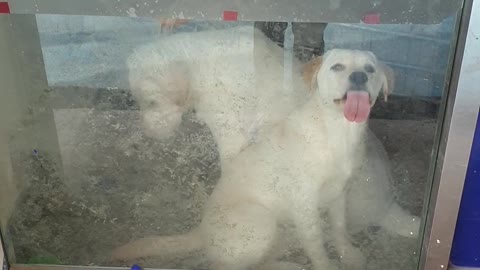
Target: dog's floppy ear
[(388, 80), (310, 71)]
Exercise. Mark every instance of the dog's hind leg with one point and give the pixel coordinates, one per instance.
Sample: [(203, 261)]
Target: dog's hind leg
[(238, 235), (398, 221), (163, 246)]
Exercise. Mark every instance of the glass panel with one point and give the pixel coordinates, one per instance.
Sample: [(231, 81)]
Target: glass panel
[(222, 145)]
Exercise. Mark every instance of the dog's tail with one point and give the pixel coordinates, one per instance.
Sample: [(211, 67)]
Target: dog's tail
[(398, 221), (160, 246)]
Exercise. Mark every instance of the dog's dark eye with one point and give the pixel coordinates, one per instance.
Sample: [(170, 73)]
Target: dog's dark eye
[(338, 67), (369, 69)]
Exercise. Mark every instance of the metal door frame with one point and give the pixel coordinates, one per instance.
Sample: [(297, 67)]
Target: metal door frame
[(460, 116)]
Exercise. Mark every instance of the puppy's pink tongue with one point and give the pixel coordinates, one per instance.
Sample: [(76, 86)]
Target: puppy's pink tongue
[(357, 106)]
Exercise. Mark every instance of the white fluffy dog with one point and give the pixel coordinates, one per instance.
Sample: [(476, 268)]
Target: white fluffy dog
[(232, 78), (309, 142)]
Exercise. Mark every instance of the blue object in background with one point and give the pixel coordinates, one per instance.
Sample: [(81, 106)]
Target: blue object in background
[(135, 267), (466, 243)]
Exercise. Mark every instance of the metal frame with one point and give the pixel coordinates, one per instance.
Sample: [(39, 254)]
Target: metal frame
[(455, 139), (455, 142), (351, 11)]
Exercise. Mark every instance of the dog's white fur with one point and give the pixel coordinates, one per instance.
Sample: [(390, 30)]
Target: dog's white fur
[(300, 164), (237, 93), (370, 195)]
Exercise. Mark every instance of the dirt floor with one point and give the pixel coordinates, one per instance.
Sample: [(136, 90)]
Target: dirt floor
[(114, 185)]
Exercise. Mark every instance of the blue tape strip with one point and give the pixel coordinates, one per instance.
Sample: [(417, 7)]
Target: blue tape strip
[(466, 244)]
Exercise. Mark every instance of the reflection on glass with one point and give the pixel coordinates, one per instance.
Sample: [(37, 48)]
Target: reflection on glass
[(222, 145)]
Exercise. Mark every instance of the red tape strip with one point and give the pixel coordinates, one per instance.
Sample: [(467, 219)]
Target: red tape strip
[(4, 8), (230, 16), (372, 18)]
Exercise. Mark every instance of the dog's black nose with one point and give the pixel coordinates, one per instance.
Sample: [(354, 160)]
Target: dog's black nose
[(358, 77)]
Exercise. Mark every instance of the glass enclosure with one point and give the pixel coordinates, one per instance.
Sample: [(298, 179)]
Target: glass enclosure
[(210, 144)]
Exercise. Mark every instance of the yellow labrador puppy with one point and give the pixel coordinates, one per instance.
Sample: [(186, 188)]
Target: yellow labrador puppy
[(233, 79), (303, 163)]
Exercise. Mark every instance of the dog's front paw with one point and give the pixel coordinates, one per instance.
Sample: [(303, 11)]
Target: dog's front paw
[(352, 259)]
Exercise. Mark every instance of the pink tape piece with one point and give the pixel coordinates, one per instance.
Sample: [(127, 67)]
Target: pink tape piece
[(373, 18), (4, 8), (230, 15)]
